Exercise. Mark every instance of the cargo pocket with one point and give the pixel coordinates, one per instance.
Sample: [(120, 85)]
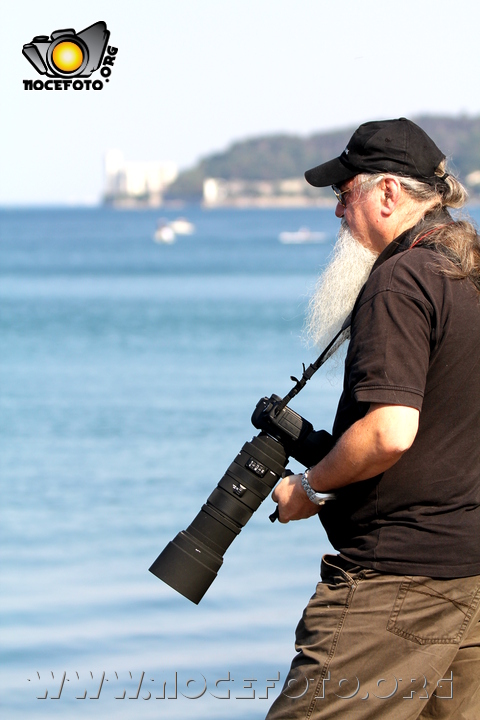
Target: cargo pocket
[(428, 611)]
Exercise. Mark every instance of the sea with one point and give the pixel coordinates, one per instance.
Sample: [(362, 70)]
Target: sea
[(129, 373)]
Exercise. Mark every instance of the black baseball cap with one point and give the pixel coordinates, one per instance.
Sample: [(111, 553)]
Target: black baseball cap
[(395, 146)]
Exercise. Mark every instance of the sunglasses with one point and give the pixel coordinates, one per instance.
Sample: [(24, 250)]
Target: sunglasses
[(339, 194)]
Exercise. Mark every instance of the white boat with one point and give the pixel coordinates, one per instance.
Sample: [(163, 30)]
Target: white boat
[(182, 226), (303, 235), (164, 233)]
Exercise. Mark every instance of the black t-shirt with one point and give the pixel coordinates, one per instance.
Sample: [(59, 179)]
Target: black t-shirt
[(415, 341)]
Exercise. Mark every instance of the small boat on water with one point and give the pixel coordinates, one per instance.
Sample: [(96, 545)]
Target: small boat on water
[(167, 231), (303, 235), (164, 233), (182, 226)]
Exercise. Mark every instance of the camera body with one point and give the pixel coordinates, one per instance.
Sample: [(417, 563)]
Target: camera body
[(67, 53), (190, 562), (296, 434)]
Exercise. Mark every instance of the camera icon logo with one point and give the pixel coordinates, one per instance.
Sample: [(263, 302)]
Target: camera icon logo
[(68, 54)]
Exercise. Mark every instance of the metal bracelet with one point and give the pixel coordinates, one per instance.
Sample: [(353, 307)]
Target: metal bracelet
[(316, 497)]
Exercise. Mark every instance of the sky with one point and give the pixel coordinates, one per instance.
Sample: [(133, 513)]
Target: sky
[(193, 76)]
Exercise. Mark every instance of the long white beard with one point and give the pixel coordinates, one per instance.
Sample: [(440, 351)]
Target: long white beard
[(337, 289)]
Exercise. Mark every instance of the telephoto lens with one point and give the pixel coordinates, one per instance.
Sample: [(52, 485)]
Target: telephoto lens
[(191, 561)]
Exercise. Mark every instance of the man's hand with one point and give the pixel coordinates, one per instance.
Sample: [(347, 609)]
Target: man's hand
[(293, 502)]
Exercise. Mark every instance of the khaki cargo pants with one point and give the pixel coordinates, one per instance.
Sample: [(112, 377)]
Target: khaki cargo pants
[(378, 646)]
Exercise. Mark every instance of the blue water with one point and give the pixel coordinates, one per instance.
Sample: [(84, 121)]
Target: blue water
[(129, 371)]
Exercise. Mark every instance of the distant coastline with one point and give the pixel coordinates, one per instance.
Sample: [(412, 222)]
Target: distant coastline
[(267, 171)]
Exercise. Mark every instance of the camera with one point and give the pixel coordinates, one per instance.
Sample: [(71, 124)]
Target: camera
[(190, 562), (67, 53)]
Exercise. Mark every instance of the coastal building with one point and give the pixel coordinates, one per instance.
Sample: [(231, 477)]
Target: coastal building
[(473, 179), (136, 184), (291, 192)]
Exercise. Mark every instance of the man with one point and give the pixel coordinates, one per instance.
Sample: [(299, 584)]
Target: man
[(393, 630)]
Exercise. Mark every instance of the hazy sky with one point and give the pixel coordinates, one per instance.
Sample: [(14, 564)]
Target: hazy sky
[(192, 76)]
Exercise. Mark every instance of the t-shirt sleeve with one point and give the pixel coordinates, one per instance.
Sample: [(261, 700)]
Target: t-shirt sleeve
[(390, 346)]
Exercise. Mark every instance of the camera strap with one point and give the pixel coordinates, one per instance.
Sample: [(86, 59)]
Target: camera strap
[(313, 367)]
